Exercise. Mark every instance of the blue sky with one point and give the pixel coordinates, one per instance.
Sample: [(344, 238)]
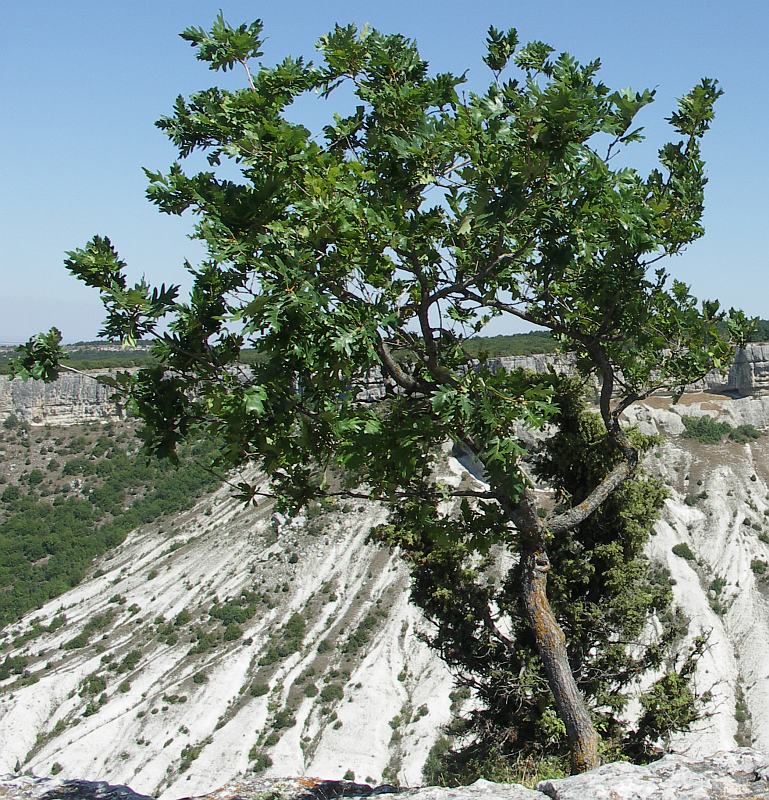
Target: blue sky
[(84, 81)]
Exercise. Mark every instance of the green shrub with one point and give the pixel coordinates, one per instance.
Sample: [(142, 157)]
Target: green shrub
[(35, 477), (11, 494), (286, 641), (189, 754), (758, 566), (332, 691), (361, 635), (744, 433), (124, 493), (205, 642), (97, 623), (232, 632), (92, 685), (261, 760), (129, 661), (705, 429), (182, 618), (13, 665), (682, 550), (238, 610), (717, 585), (284, 719)]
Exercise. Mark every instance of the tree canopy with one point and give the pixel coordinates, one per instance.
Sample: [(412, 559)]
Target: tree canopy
[(356, 260)]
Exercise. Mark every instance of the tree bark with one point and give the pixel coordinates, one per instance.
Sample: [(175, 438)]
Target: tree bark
[(551, 646)]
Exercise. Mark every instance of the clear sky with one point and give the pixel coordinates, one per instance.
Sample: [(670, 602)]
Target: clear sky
[(83, 82)]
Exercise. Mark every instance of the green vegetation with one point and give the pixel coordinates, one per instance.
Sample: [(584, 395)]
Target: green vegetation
[(761, 331), (48, 543), (602, 588), (331, 692), (744, 433), (190, 752), (96, 356), (682, 550), (261, 760), (381, 244), (94, 625), (717, 585), (516, 344), (13, 665), (259, 689), (238, 610), (361, 635), (742, 717), (759, 566), (286, 641), (706, 430)]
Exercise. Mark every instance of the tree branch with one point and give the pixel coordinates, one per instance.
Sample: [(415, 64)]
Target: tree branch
[(579, 513)]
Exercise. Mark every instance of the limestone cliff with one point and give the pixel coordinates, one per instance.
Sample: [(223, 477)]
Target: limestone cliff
[(750, 372), (748, 375), (71, 400)]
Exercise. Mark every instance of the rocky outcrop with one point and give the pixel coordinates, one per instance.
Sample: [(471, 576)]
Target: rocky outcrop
[(71, 400), (732, 775), (750, 372), (324, 673), (748, 375), (742, 773)]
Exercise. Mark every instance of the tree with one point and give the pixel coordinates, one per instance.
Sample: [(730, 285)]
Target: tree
[(604, 593), (368, 252)]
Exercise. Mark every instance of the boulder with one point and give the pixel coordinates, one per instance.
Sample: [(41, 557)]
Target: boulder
[(742, 773)]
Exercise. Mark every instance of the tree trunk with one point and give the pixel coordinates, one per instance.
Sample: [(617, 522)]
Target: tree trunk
[(551, 646)]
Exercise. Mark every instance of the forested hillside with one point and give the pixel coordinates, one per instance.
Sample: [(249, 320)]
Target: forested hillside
[(68, 495)]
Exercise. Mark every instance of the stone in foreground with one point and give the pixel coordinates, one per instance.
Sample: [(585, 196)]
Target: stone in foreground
[(742, 773)]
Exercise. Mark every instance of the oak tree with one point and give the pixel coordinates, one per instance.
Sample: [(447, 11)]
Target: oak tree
[(354, 261)]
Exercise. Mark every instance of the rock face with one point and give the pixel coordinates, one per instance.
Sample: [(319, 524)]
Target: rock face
[(70, 400), (750, 372), (741, 774), (148, 702), (748, 375)]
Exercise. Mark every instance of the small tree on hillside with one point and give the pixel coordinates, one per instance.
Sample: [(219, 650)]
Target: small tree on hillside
[(373, 247)]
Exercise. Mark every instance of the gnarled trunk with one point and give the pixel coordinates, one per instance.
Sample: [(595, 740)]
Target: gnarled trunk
[(551, 646)]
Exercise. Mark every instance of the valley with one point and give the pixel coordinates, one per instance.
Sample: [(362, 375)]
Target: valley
[(222, 639)]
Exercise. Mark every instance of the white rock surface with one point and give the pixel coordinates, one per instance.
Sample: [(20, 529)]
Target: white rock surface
[(70, 400), (737, 774)]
